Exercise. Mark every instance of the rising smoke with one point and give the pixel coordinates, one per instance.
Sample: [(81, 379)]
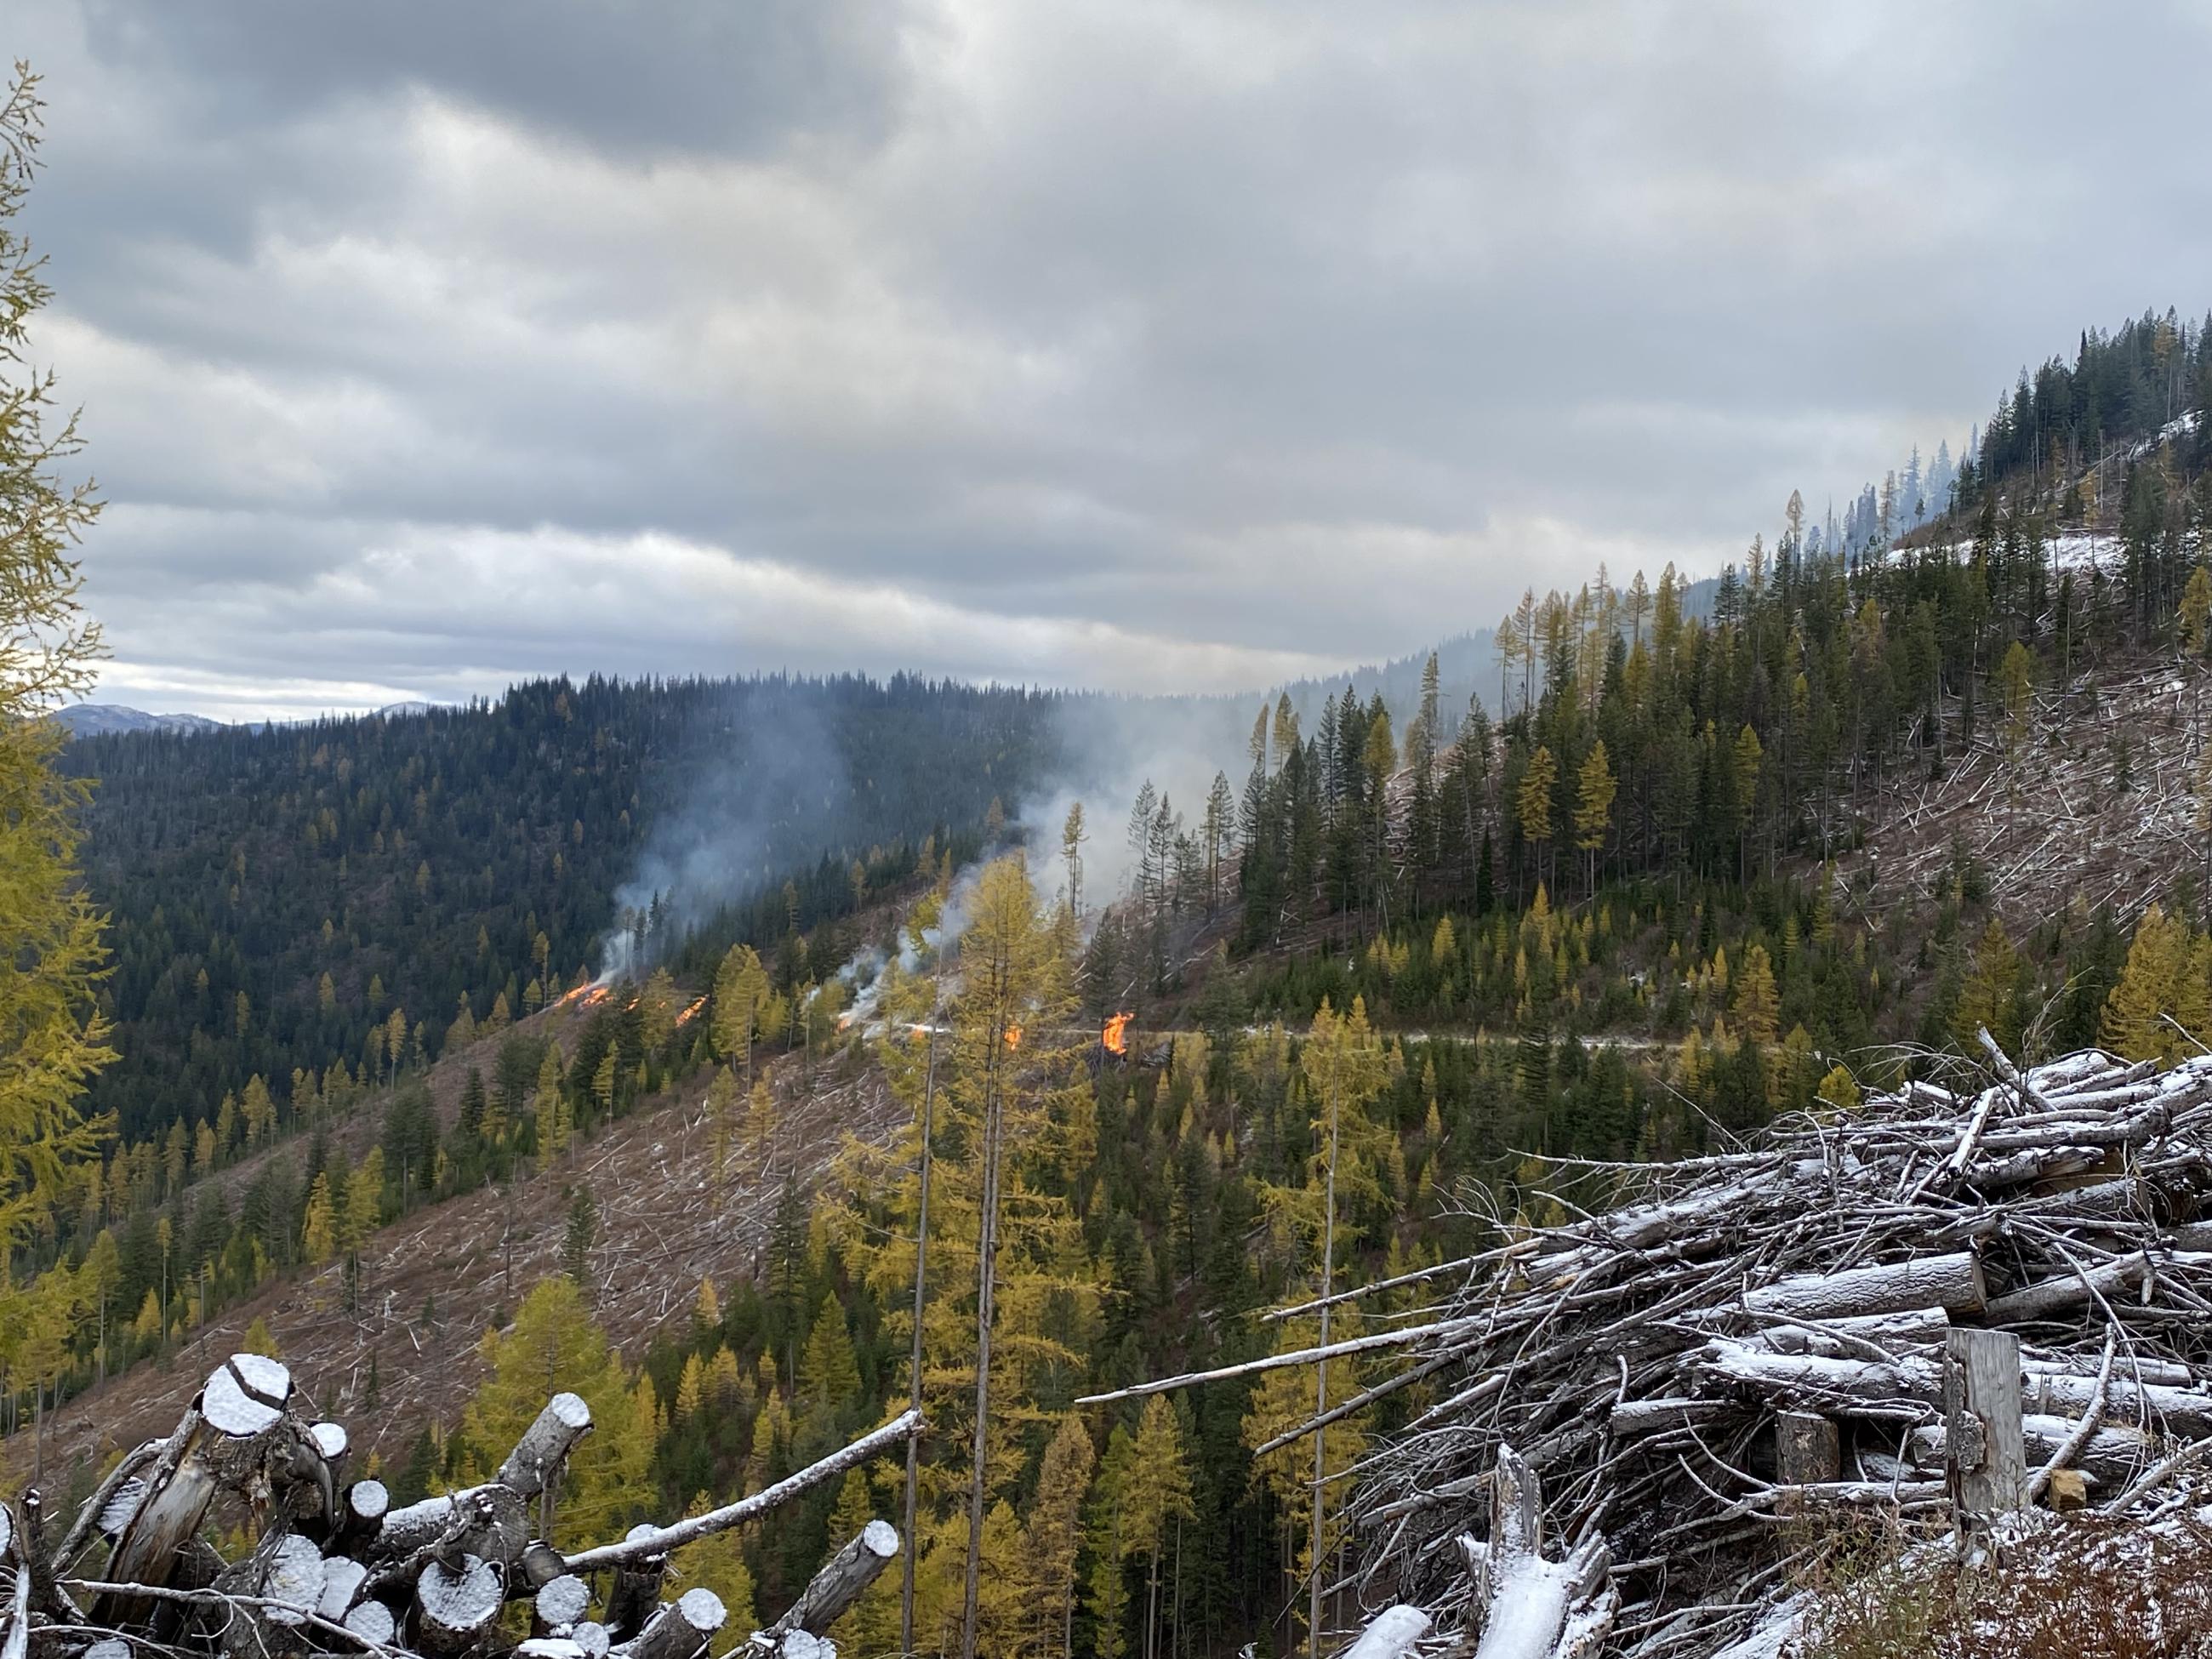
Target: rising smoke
[(764, 788), (771, 776)]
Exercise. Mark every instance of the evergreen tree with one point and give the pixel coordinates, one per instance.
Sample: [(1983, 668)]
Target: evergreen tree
[(829, 1376), (576, 1242)]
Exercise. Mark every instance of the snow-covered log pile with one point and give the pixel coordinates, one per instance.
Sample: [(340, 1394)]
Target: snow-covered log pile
[(1715, 1356), (336, 1569), (1759, 1338)]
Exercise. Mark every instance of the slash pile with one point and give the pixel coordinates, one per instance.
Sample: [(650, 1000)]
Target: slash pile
[(336, 1569), (1649, 1364)]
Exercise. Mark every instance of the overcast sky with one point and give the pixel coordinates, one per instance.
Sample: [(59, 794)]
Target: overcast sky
[(424, 346)]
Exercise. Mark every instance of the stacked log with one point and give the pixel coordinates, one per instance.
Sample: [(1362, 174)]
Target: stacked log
[(334, 1568), (1715, 1354)]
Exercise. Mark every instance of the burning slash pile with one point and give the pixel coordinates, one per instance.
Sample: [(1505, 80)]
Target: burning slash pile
[(1763, 1337), (337, 1569)]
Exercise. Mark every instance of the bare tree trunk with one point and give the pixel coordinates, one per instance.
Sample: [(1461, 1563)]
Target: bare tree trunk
[(987, 1259), (914, 1390), (1321, 1386), (1175, 1596)]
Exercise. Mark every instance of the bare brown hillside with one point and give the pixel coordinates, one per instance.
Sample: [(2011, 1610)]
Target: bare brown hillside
[(2096, 805), (437, 1280)]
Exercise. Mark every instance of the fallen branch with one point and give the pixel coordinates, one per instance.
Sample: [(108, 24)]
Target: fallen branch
[(660, 1541)]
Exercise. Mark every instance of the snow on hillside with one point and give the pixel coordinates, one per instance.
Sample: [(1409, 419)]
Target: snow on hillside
[(100, 720)]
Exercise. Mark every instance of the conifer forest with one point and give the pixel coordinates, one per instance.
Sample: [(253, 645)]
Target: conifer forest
[(861, 1094)]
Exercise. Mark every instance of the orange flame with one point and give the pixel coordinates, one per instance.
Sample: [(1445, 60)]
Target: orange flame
[(697, 1003), (1013, 1037), (1116, 1036)]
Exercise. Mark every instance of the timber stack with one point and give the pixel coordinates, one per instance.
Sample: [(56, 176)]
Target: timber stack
[(1947, 1305), (335, 1568)]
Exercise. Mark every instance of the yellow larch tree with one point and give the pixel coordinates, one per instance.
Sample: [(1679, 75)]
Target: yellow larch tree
[(53, 1038), (1054, 1533), (555, 1344), (1011, 1095), (1594, 791), (1155, 1495), (1532, 803)]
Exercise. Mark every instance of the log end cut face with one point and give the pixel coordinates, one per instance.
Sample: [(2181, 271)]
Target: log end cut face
[(246, 1394)]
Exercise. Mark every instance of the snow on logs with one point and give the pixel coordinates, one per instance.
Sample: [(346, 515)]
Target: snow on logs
[(681, 1630), (1533, 1609), (457, 1603), (1703, 1350), (1952, 1283), (545, 1444), (840, 1583), (336, 1568), (560, 1604), (1395, 1634)]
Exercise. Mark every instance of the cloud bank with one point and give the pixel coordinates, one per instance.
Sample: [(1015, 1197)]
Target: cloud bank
[(1146, 346)]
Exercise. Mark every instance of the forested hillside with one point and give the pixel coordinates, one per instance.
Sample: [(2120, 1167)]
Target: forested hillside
[(1660, 876), (282, 896)]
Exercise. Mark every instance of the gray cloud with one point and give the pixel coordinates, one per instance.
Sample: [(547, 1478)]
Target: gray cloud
[(1138, 344)]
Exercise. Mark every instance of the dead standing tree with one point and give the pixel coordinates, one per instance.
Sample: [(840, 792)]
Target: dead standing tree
[(334, 1568)]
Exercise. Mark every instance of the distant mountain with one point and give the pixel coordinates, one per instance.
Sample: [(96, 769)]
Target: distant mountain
[(101, 719)]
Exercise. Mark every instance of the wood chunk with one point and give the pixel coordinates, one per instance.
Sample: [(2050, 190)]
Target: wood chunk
[(368, 1500), (1394, 1634), (121, 1505), (1631, 1417), (341, 1581), (295, 1577), (409, 1529), (1534, 1608), (680, 1630), (1953, 1283), (634, 1595), (545, 1444), (373, 1622), (561, 1604), (455, 1602), (1807, 1451), (840, 1582), (1986, 1460), (540, 1564), (178, 1490), (246, 1394)]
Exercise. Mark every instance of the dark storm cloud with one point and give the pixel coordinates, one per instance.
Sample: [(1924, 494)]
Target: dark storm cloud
[(424, 346), (645, 76)]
